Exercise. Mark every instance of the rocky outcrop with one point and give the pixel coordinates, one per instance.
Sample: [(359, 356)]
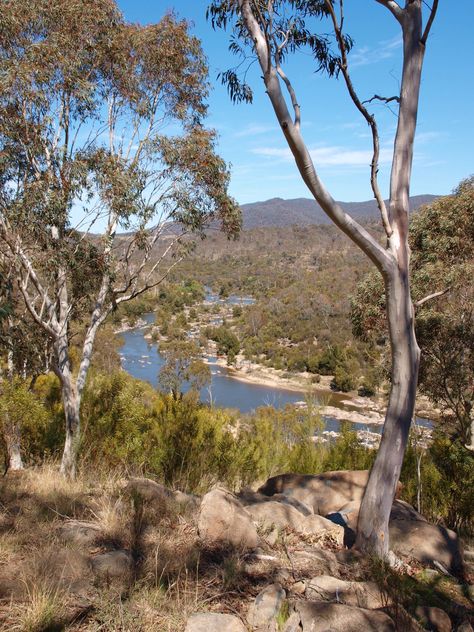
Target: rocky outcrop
[(434, 619), (411, 535), (224, 521), (212, 622), (282, 515), (324, 493)]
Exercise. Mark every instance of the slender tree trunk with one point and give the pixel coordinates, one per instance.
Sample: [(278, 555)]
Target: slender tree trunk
[(372, 530), (12, 434), (71, 404), (12, 438), (73, 433)]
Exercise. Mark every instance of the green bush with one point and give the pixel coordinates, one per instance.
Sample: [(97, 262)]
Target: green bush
[(342, 380), (447, 482), (22, 408)]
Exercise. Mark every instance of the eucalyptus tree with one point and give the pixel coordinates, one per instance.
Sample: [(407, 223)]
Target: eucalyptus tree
[(101, 130), (272, 30)]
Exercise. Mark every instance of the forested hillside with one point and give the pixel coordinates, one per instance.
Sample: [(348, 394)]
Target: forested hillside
[(305, 212)]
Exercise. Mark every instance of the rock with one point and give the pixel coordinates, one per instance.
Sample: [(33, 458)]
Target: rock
[(434, 619), (211, 622), (80, 532), (113, 565), (282, 515), (249, 497), (465, 627), (412, 536), (298, 588), (266, 607), (293, 623), (154, 492), (325, 493), (361, 594), (335, 617), (223, 520), (314, 559)]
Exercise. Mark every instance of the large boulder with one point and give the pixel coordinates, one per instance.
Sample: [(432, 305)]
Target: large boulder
[(361, 594), (282, 515), (324, 493), (158, 494), (213, 622), (411, 535), (224, 521), (319, 616)]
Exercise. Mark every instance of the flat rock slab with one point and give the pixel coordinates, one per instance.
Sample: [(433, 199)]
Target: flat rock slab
[(266, 607), (336, 617), (360, 594), (283, 515), (224, 521), (211, 622)]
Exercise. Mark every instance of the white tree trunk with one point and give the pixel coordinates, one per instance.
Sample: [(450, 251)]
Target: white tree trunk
[(372, 529)]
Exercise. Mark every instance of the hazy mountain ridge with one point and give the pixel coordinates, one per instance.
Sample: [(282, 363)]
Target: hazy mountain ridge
[(304, 211)]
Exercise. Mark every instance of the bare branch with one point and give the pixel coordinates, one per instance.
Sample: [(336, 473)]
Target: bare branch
[(430, 297), (429, 24), (294, 100), (377, 97), (374, 166)]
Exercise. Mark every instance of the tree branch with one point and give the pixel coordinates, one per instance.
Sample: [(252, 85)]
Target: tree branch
[(374, 166), (393, 7), (429, 24), (384, 99), (430, 297)]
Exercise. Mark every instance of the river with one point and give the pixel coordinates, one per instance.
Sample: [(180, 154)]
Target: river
[(141, 359)]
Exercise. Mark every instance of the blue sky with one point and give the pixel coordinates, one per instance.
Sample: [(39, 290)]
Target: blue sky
[(250, 140)]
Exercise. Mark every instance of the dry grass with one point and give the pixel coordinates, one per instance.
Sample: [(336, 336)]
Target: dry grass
[(48, 581), (43, 609)]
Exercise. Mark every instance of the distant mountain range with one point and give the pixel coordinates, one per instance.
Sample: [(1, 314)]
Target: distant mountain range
[(304, 212)]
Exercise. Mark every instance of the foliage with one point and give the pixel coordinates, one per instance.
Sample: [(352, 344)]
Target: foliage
[(447, 482), (227, 342), (441, 239), (183, 366), (20, 408)]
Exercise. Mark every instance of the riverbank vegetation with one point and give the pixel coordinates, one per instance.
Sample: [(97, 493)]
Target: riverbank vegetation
[(131, 427)]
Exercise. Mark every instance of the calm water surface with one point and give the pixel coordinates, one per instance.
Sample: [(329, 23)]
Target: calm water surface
[(142, 360)]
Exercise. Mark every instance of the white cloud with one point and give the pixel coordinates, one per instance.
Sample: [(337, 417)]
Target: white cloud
[(254, 129), (328, 155), (366, 55)]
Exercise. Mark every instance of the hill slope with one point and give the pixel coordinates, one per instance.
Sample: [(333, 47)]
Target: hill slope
[(304, 211)]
